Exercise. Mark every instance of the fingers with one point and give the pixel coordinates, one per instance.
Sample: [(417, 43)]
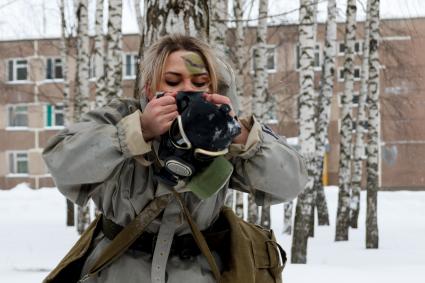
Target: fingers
[(217, 98)]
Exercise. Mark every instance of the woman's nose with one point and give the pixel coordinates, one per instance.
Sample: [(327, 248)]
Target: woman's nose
[(188, 86)]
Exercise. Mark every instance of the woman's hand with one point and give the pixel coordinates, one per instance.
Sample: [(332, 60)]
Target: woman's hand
[(221, 99), (158, 115)]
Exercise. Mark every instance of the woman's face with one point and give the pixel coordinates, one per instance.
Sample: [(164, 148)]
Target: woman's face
[(184, 71)]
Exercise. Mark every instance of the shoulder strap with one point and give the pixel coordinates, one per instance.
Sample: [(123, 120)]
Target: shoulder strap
[(199, 238), (129, 234)]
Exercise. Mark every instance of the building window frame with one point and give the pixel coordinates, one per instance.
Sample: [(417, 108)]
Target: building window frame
[(18, 163), (354, 101), (130, 63), (358, 47), (12, 121), (92, 68), (14, 65), (270, 54), (357, 69), (54, 69), (54, 116), (318, 57)]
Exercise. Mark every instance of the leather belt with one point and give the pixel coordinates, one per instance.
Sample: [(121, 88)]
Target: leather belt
[(183, 245)]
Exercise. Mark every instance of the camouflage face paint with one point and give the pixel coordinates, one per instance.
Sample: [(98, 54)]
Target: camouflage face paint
[(194, 63)]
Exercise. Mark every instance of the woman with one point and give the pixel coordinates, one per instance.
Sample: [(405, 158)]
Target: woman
[(108, 157)]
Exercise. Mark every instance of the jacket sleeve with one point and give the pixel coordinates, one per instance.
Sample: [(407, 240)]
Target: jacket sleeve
[(88, 152), (266, 166)]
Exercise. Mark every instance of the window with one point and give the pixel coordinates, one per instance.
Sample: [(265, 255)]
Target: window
[(356, 73), (317, 56), (92, 67), (17, 70), (54, 68), (130, 66), (18, 162), (270, 58), (358, 47), (18, 116), (355, 100), (54, 116)]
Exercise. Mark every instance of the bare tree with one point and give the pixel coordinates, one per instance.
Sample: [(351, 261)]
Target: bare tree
[(218, 26), (372, 235), (81, 102), (307, 129), (113, 71), (177, 16), (64, 51), (324, 103), (346, 131), (99, 52), (361, 128)]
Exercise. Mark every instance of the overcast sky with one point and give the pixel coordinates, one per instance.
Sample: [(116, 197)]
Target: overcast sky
[(41, 18)]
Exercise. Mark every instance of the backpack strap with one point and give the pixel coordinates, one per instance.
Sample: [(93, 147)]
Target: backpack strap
[(199, 238), (129, 234)]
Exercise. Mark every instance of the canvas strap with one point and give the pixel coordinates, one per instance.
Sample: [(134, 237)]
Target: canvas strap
[(199, 238), (129, 234)]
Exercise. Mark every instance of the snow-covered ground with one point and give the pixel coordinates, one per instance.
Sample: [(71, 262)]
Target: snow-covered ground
[(33, 238)]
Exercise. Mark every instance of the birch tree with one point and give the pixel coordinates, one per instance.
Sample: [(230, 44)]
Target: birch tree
[(64, 51), (113, 71), (99, 53), (326, 91), (361, 128), (259, 99), (307, 130), (81, 102), (173, 16), (342, 224), (372, 235), (218, 26)]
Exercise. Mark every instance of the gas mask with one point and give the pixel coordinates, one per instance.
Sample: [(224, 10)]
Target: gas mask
[(202, 132)]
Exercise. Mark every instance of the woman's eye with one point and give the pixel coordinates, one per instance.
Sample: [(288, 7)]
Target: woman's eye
[(200, 84), (172, 83)]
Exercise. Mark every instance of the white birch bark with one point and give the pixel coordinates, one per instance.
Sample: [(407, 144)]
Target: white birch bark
[(287, 217), (64, 51), (81, 104), (361, 128), (139, 15), (218, 26), (346, 131), (172, 16), (114, 51), (328, 71), (240, 49), (260, 72), (307, 129), (260, 97), (99, 53), (372, 235)]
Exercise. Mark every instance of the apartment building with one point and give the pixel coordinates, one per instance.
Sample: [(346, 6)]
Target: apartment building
[(31, 85)]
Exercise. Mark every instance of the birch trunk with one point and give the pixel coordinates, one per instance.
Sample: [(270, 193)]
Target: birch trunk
[(287, 217), (361, 128), (172, 16), (99, 53), (372, 236), (81, 104), (240, 50), (64, 50), (218, 26), (260, 96), (114, 51), (324, 108), (307, 130), (346, 131)]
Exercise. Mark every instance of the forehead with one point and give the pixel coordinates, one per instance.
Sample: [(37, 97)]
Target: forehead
[(182, 60)]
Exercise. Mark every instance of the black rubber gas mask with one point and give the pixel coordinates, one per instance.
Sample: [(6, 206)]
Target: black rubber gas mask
[(201, 132)]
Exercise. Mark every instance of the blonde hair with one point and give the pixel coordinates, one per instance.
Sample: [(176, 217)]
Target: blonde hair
[(153, 62)]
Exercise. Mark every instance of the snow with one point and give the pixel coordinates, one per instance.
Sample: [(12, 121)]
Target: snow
[(30, 19), (33, 238)]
